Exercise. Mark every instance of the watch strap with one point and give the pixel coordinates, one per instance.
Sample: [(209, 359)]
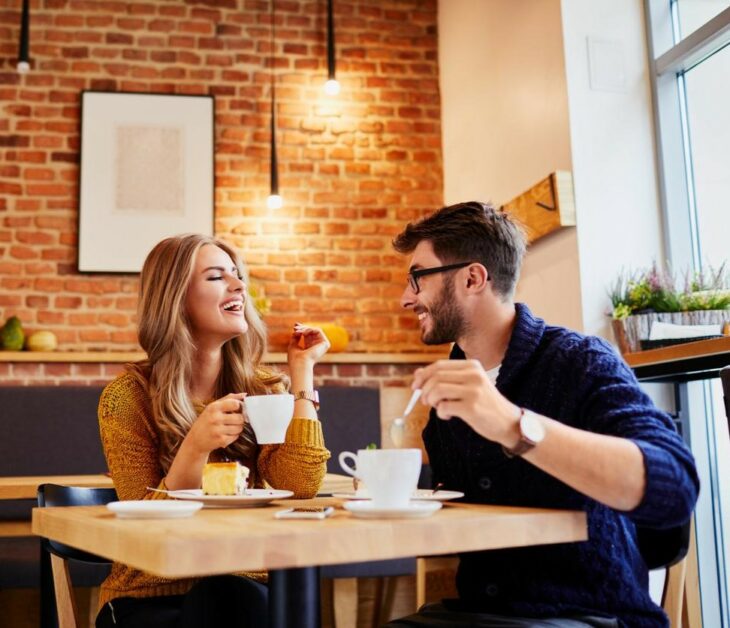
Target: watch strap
[(309, 395), (524, 445)]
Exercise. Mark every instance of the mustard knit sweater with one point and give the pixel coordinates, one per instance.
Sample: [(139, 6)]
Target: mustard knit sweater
[(131, 446)]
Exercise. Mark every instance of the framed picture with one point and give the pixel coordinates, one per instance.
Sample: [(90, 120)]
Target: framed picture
[(146, 173)]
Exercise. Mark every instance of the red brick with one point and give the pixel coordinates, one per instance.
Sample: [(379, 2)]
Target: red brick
[(116, 320), (57, 369), (87, 370), (26, 369), (67, 303), (52, 318)]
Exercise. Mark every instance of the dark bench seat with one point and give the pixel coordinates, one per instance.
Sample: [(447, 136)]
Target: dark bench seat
[(46, 430)]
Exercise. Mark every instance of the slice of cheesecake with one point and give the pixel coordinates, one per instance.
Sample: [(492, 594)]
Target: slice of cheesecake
[(224, 478)]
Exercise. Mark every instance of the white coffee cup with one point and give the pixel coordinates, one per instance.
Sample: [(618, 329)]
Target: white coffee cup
[(269, 416), (391, 475)]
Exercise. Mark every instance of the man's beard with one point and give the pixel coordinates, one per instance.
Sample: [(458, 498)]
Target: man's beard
[(447, 320)]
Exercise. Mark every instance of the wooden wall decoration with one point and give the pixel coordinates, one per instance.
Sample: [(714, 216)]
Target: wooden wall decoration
[(546, 207)]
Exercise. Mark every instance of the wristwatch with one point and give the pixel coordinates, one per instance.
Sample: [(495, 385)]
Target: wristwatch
[(532, 432), (309, 395)]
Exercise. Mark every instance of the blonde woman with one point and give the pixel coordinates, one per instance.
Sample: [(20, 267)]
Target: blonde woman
[(164, 418)]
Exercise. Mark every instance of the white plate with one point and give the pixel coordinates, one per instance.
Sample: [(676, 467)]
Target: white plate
[(253, 497), (422, 494), (154, 509), (414, 510)]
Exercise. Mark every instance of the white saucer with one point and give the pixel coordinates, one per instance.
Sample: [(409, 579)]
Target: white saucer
[(421, 494), (415, 509), (154, 509), (252, 497)]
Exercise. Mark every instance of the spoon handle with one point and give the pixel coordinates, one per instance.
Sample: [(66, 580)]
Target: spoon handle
[(412, 402)]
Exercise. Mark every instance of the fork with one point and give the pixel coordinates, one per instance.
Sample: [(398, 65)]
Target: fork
[(398, 424), (157, 490)]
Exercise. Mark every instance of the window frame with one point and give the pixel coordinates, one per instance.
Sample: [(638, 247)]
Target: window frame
[(682, 247)]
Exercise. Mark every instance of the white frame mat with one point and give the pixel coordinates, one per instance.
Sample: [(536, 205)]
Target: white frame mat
[(147, 172)]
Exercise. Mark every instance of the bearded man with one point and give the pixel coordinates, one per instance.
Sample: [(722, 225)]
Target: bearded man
[(529, 414)]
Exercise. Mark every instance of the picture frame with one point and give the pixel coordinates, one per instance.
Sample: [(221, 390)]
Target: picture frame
[(147, 172)]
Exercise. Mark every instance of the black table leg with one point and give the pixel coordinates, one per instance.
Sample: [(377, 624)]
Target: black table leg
[(294, 598)]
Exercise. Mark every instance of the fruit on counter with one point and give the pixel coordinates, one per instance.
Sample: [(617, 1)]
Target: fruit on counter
[(336, 334), (42, 341), (12, 335)]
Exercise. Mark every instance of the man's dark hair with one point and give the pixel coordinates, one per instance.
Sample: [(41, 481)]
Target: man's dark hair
[(471, 232)]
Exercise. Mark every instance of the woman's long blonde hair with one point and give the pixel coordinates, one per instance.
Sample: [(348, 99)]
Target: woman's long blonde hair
[(164, 333)]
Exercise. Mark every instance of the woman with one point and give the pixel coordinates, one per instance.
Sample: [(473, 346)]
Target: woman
[(164, 418)]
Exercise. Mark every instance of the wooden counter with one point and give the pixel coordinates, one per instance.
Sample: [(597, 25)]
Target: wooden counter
[(272, 358), (685, 362)]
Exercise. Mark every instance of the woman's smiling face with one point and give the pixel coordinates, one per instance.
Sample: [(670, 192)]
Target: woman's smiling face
[(215, 297)]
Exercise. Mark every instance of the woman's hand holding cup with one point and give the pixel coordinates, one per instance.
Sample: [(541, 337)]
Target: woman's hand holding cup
[(220, 424)]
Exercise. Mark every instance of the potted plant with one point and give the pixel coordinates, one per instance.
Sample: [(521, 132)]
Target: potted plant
[(642, 298)]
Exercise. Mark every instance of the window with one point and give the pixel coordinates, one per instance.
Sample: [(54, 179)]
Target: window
[(689, 44), (707, 95), (692, 14)]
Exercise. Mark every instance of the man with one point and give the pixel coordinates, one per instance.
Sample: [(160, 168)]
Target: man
[(528, 414)]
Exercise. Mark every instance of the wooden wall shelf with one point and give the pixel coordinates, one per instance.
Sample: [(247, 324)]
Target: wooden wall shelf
[(272, 358), (686, 362), (547, 206)]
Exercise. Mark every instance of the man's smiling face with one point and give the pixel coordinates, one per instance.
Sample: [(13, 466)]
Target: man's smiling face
[(436, 304)]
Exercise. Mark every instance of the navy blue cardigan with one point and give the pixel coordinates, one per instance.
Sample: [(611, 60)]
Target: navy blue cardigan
[(580, 381)]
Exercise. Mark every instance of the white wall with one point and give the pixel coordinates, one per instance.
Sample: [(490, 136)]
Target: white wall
[(611, 134), (505, 126), (517, 103)]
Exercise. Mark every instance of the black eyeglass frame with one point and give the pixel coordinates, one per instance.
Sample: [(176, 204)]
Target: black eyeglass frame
[(415, 275)]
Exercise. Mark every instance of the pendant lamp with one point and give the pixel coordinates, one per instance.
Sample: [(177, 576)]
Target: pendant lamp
[(23, 49), (332, 86), (274, 201)]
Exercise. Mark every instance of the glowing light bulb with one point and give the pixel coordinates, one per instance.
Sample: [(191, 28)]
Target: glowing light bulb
[(274, 202), (23, 67), (332, 87)]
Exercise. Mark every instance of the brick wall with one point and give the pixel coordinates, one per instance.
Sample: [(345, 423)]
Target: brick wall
[(100, 373), (353, 169)]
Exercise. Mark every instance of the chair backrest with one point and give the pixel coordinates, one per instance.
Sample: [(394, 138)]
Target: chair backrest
[(56, 495), (663, 548), (350, 418)]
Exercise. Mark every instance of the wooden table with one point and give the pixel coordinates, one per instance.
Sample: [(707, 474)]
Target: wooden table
[(26, 487), (218, 541)]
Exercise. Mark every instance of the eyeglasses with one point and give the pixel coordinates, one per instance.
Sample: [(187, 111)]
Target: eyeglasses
[(415, 275)]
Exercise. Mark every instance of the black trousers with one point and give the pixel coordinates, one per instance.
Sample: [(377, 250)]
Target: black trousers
[(211, 603)]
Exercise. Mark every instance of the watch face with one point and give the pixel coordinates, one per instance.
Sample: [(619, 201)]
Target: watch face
[(532, 427)]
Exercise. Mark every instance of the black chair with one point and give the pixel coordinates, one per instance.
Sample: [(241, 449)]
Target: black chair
[(351, 421), (667, 549), (60, 609), (663, 548)]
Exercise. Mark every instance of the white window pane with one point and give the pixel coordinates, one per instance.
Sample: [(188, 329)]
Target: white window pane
[(694, 13), (708, 115)]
